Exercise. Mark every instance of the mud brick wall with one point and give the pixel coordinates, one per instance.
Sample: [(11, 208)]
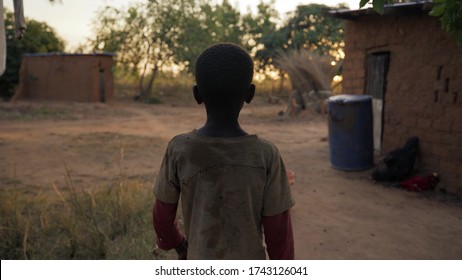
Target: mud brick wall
[(423, 94), (66, 77)]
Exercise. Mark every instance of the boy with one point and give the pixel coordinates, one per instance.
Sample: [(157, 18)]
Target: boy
[(231, 184)]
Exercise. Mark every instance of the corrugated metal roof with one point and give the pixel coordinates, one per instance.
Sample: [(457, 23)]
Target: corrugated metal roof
[(408, 8)]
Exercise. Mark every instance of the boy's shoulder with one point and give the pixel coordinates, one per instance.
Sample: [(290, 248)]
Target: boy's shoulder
[(182, 137), (251, 140)]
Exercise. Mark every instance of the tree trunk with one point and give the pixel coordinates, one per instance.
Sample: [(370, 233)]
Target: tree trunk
[(281, 84), (145, 92)]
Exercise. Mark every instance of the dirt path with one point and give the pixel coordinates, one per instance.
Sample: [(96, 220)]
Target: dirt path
[(339, 215)]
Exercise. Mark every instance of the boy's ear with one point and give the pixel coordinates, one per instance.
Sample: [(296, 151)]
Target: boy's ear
[(197, 95), (250, 93)]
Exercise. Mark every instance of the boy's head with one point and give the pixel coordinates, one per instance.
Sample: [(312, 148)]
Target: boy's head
[(224, 74)]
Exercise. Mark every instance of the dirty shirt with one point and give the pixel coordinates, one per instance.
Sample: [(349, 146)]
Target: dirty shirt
[(226, 186)]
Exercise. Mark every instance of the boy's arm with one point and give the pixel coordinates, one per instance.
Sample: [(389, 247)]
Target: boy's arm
[(279, 237), (169, 235)]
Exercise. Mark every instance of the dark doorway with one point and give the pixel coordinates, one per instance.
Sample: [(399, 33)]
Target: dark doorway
[(102, 84), (376, 84)]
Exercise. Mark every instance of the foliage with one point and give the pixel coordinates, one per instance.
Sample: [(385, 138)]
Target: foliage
[(158, 34), (450, 14), (261, 38), (161, 34), (39, 38), (142, 38), (309, 29), (203, 24), (448, 11), (306, 28)]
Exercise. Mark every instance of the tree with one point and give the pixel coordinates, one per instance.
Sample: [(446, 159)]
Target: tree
[(204, 24), (260, 38), (142, 37), (449, 13), (306, 28), (149, 36), (194, 35), (40, 38), (160, 33)]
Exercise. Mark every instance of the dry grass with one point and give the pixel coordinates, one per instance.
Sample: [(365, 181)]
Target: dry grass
[(177, 90), (307, 71), (167, 88), (109, 222)]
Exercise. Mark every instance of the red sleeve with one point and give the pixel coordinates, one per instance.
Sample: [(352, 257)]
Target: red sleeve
[(279, 236), (169, 235)]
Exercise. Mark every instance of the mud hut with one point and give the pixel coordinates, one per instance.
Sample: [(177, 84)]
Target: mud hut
[(66, 77), (412, 69)]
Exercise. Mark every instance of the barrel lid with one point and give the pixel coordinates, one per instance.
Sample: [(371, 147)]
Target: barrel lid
[(349, 98)]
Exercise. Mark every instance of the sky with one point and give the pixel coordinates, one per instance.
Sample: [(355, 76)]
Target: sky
[(71, 19)]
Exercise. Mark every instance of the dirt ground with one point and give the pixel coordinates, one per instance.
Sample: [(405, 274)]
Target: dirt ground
[(338, 215)]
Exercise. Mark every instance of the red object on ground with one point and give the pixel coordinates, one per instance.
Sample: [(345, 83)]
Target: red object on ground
[(420, 183)]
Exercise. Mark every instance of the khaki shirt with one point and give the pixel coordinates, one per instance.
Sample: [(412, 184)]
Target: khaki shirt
[(226, 186)]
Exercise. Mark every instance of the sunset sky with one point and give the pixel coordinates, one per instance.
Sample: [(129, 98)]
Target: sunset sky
[(71, 18)]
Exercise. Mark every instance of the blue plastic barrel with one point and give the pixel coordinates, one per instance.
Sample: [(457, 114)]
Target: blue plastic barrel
[(350, 132)]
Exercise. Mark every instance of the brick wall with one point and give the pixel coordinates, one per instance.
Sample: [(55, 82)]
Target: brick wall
[(66, 77), (424, 87)]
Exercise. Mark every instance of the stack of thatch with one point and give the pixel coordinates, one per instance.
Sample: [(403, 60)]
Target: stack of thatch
[(310, 74)]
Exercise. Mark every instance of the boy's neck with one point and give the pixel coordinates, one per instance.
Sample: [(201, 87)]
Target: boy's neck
[(222, 125)]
